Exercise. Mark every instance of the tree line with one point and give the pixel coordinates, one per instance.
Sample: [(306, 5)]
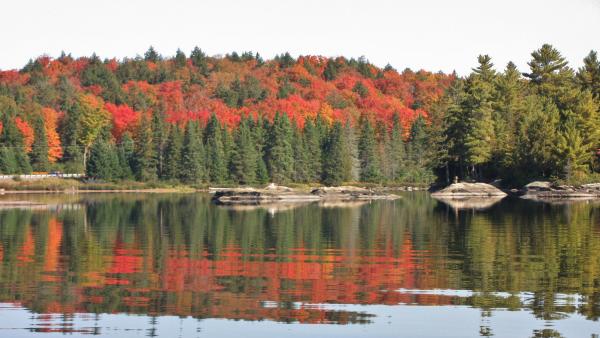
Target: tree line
[(543, 124), (258, 151)]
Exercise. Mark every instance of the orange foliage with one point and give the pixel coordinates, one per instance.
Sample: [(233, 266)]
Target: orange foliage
[(26, 131), (51, 118), (52, 250), (27, 250)]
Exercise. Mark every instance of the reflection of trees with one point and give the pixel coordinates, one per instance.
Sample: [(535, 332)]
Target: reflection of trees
[(178, 254)]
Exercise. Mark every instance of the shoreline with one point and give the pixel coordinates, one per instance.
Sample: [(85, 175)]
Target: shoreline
[(88, 191)]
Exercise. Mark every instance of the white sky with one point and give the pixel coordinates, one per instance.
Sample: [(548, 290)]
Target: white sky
[(429, 34)]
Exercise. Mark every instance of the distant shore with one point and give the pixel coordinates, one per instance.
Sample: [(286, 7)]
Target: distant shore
[(71, 186)]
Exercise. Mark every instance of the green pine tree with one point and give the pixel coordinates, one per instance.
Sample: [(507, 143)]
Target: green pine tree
[(334, 156), (173, 152), (280, 157), (573, 154), (370, 169), (331, 71), (312, 145), (245, 157), (589, 75), (180, 59), (301, 158), (103, 162), (126, 152), (215, 151), (39, 148), (145, 156), (396, 149), (8, 161), (193, 169)]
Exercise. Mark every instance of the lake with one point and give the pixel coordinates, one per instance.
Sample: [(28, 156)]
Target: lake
[(176, 265)]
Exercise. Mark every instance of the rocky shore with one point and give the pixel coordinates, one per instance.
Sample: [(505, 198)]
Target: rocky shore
[(274, 193), (541, 190)]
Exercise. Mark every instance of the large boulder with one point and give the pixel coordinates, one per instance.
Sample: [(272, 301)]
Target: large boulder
[(458, 190), (538, 186)]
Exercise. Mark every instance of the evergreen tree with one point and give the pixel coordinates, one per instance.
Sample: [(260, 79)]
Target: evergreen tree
[(193, 168), (104, 161), (73, 159), (396, 148), (151, 55), (228, 148), (456, 127), (145, 157), (334, 155), (8, 161), (330, 72), (215, 152), (547, 65), (301, 158), (574, 155), (262, 173), (173, 155), (367, 151), (245, 157), (39, 148), (126, 152), (285, 60), (97, 73), (11, 137), (312, 145), (508, 106), (180, 59), (480, 137), (589, 75), (159, 140), (537, 138), (360, 89), (383, 147), (199, 59), (285, 89), (351, 164), (280, 152), (418, 152)]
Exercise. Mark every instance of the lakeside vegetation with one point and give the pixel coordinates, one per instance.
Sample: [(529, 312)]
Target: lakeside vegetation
[(239, 119)]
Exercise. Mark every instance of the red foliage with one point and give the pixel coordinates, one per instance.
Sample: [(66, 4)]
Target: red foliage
[(171, 96), (124, 119), (13, 77)]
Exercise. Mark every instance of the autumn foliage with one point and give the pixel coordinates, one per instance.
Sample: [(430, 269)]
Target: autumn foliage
[(231, 87)]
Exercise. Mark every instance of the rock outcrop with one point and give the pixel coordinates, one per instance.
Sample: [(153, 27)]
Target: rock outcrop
[(280, 194), (546, 191), (462, 190)]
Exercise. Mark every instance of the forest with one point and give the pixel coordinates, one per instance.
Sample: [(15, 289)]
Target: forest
[(239, 119)]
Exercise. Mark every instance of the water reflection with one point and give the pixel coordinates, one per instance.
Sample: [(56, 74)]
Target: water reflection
[(179, 255)]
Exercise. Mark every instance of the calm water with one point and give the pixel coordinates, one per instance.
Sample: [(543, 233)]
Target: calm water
[(178, 266)]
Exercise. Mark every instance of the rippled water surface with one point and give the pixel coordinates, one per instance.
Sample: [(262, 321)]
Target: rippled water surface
[(178, 266)]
